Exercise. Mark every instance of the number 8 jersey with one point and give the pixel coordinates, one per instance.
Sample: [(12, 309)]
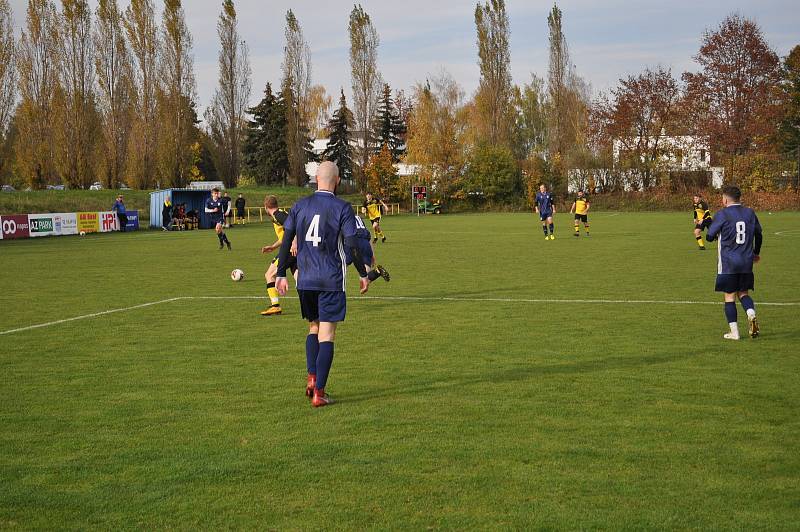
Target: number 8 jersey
[(739, 233), (321, 222)]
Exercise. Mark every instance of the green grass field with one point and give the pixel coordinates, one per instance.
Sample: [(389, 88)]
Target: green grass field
[(484, 399)]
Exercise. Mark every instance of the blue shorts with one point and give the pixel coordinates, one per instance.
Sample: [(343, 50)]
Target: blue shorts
[(316, 305), (366, 254), (545, 215), (734, 282)]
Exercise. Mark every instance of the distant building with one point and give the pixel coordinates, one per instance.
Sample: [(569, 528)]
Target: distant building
[(319, 145)]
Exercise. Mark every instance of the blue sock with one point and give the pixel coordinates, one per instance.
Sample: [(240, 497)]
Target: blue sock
[(551, 229), (544, 228), (730, 312), (220, 238), (324, 362), (312, 350), (747, 303)]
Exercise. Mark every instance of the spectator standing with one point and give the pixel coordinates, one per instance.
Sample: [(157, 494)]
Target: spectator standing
[(225, 202), (119, 208), (166, 214), (240, 203)]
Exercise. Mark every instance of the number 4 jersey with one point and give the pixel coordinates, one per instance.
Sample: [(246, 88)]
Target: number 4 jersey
[(321, 222), (739, 234)]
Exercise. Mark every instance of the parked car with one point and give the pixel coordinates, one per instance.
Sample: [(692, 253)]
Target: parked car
[(55, 187), (123, 186), (96, 186), (8, 188)]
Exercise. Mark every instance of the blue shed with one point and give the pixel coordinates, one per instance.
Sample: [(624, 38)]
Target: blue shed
[(193, 198)]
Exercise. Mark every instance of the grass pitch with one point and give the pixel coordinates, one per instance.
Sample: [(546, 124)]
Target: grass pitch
[(486, 400)]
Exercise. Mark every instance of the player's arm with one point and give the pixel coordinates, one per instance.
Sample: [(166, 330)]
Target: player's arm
[(272, 247), (348, 229), (758, 239), (716, 227), (572, 209), (210, 210), (588, 206), (384, 207)]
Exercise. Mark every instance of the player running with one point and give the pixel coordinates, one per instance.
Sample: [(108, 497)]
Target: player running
[(581, 209), (546, 208), (702, 219), (278, 217), (740, 238), (216, 215), (367, 253), (325, 225), (374, 207)]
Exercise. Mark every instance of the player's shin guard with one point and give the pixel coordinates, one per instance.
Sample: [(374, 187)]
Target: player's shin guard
[(272, 293), (324, 363), (700, 241), (587, 228), (748, 306), (730, 313), (312, 351), (577, 229)]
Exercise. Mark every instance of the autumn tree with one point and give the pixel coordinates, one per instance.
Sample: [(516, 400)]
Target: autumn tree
[(529, 104), (38, 76), (733, 94), (226, 115), (381, 173), (639, 115), (366, 82), (176, 97), (339, 148), (264, 151), (115, 93), (789, 131), (8, 80), (142, 33), (77, 121), (296, 85), (388, 129), (319, 106), (493, 99)]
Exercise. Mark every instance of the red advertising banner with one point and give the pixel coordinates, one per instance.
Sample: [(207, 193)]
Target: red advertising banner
[(15, 226)]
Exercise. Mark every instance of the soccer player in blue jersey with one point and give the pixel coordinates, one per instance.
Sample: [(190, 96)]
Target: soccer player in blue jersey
[(215, 210), (546, 208), (324, 225), (739, 234), (367, 253)]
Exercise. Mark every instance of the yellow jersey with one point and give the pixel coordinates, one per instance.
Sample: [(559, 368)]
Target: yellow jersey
[(581, 205), (373, 207), (278, 219), (700, 210)]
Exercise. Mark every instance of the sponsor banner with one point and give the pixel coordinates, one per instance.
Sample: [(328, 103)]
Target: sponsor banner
[(88, 222), (15, 226), (41, 225), (108, 221), (65, 223), (133, 221)]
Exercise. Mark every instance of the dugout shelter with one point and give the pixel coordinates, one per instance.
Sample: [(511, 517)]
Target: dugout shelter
[(194, 200)]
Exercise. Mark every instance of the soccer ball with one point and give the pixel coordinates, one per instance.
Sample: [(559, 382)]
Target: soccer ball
[(237, 275), (83, 233)]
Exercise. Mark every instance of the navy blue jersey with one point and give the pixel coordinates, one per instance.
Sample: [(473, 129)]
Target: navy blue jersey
[(321, 222), (211, 204), (544, 200), (364, 247), (739, 234)]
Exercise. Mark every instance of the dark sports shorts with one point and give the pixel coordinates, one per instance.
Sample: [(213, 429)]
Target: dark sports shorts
[(545, 215), (366, 255), (316, 305), (375, 220), (734, 282), (292, 262), (582, 217), (705, 224)]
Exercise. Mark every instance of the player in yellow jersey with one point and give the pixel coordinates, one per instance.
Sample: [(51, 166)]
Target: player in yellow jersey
[(702, 219), (581, 209), (373, 207), (278, 217)]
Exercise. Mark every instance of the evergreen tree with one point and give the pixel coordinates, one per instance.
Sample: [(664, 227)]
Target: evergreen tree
[(339, 149), (264, 151), (388, 129)]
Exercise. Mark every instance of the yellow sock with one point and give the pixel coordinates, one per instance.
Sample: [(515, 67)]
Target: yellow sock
[(577, 229), (587, 229), (700, 241), (272, 292)]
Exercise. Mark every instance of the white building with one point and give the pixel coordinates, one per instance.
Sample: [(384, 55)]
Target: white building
[(319, 145)]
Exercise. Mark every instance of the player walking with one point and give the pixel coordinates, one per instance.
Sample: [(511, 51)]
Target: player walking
[(278, 217), (546, 208), (374, 207), (324, 225), (581, 209), (217, 216), (739, 245), (702, 219)]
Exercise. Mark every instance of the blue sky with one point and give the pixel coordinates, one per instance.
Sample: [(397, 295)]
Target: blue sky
[(608, 39)]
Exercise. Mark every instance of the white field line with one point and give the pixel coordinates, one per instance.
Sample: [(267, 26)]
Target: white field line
[(405, 298), (788, 232)]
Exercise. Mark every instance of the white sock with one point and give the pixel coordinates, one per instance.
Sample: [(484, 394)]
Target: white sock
[(734, 328), (751, 313)]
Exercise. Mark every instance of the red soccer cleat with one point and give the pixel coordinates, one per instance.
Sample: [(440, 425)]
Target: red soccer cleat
[(321, 399), (311, 381)]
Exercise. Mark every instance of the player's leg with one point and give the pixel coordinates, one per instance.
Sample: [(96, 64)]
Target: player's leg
[(551, 226), (312, 351), (544, 227), (750, 308), (326, 336), (698, 236), (380, 231), (731, 316), (224, 237), (220, 235), (272, 292), (577, 225), (586, 223)]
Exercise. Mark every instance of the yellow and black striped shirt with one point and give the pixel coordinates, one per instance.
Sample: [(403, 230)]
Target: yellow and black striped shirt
[(700, 211)]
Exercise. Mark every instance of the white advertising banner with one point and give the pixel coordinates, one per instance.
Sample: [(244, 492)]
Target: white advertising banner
[(108, 221)]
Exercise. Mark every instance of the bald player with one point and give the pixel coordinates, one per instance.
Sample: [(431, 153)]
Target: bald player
[(324, 226)]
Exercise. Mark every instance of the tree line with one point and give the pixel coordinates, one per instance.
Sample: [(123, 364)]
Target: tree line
[(110, 95)]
